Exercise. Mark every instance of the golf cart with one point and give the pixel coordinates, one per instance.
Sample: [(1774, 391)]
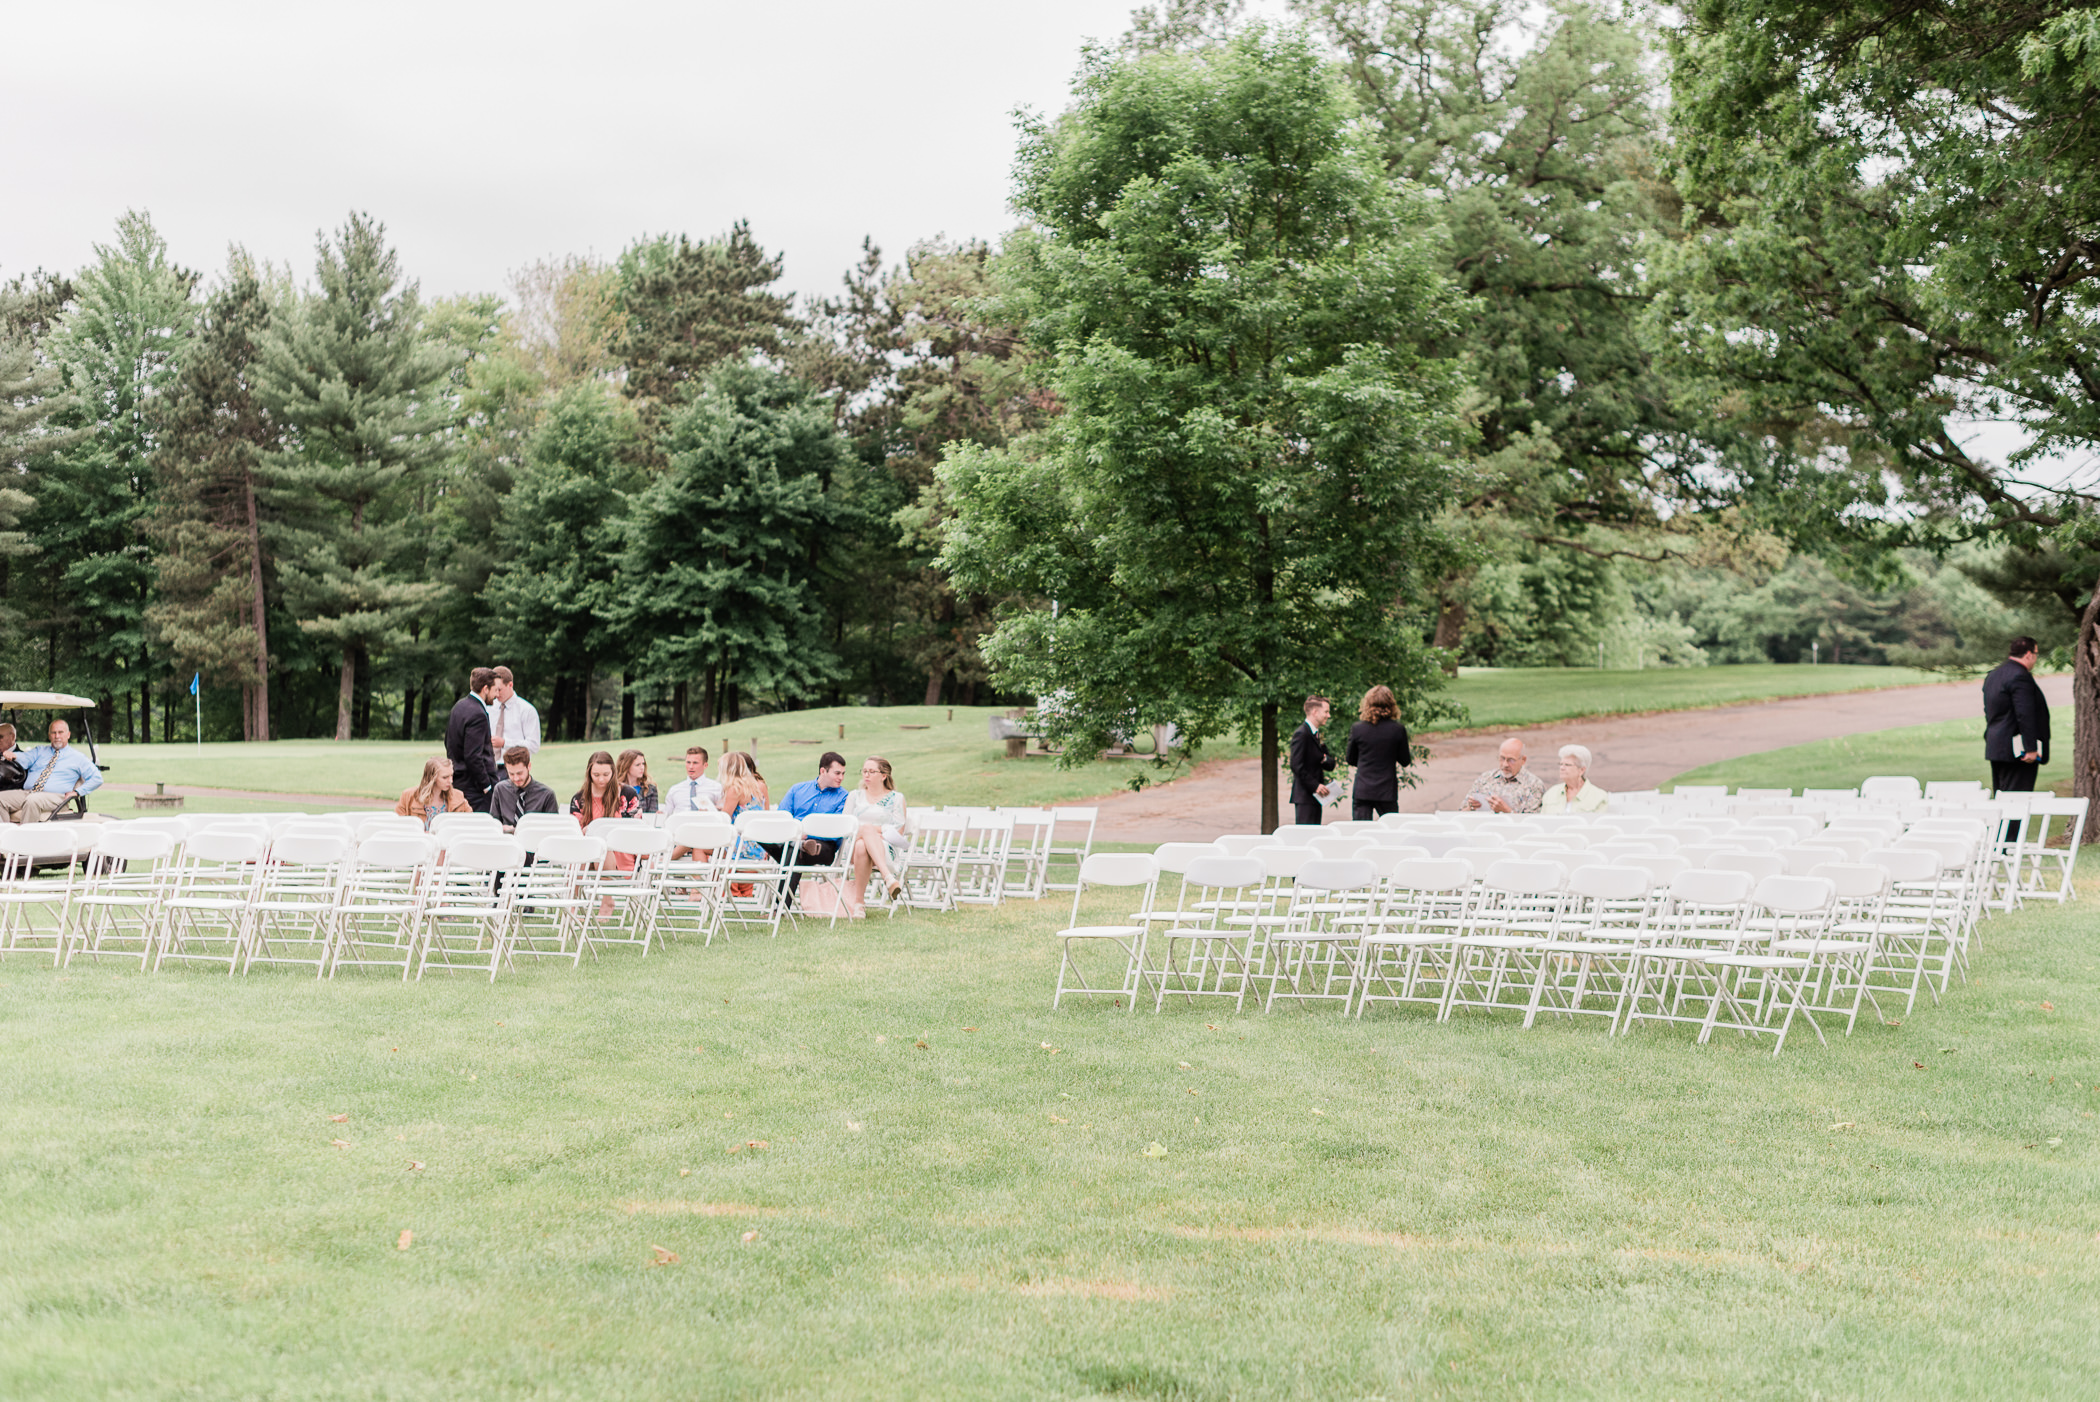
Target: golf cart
[(14, 701)]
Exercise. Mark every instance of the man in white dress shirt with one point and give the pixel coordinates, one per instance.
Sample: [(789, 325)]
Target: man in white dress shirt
[(512, 719), (696, 793)]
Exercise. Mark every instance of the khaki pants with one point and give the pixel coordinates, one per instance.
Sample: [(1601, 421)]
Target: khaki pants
[(24, 806)]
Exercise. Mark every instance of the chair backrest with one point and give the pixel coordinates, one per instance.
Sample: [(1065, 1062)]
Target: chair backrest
[(393, 849), (1282, 860), (1804, 859), (1177, 857), (1609, 883), (177, 828), (1119, 869), (1795, 895), (1479, 859), (445, 823), (1787, 829), (705, 831), (1954, 789), (1432, 874), (310, 849), (1217, 870), (1828, 795), (1706, 886), (1337, 874), (225, 845), (1341, 845), (1239, 844), (1760, 865), (1700, 790), (837, 827), (1661, 869), (636, 842), (124, 842), (1521, 878), (1298, 834), (570, 849), (1625, 822), (1853, 880), (771, 826), (1907, 864), (1891, 788), (499, 853), (1438, 843), (1765, 795), (387, 823)]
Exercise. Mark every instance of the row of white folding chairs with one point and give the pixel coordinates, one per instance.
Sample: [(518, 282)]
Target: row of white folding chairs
[(1530, 936), (966, 855)]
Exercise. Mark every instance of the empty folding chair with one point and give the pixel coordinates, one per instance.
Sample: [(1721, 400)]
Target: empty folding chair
[(1754, 987), (207, 912), (754, 884), (1829, 795), (1661, 868), (1850, 947), (1071, 843), (1954, 789), (553, 896), (689, 890), (533, 826), (1203, 956), (1340, 846), (1765, 795), (1917, 910), (1805, 858), (1702, 913), (388, 824), (446, 827), (1125, 871), (1587, 958), (1028, 859), (927, 870), (980, 862), (465, 918), (1494, 960), (627, 890), (292, 917), (1297, 834), (116, 905), (2057, 829), (1239, 844), (1405, 954), (1174, 859), (1890, 788), (1700, 791), (377, 917), (1313, 950)]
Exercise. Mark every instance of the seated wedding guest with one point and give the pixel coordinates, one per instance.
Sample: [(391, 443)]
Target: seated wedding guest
[(1509, 787), (824, 794), (433, 795), (695, 793), (1574, 793), (518, 793), (744, 791), (602, 797), (11, 771), (51, 775), (885, 826), (631, 772)]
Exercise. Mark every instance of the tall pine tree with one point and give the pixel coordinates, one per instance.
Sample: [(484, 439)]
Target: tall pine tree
[(212, 614), (360, 389)]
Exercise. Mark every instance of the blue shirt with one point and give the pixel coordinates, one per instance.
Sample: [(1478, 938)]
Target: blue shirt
[(74, 772), (807, 798)]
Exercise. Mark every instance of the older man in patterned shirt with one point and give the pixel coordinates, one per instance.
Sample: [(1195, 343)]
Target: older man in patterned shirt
[(1509, 787)]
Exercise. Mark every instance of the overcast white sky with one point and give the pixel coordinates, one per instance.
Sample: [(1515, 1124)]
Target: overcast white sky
[(487, 135)]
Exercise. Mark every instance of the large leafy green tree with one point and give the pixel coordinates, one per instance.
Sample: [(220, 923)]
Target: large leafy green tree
[(686, 306), (31, 392), (212, 614), (553, 596), (1235, 507), (1892, 236), (119, 346), (717, 578), (361, 391)]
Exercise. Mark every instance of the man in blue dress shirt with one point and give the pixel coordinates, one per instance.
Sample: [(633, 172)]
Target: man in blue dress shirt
[(56, 772), (824, 794)]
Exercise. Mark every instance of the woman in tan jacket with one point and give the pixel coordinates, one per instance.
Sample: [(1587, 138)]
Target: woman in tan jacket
[(434, 795)]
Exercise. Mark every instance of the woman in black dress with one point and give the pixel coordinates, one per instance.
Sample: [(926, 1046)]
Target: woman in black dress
[(1378, 748)]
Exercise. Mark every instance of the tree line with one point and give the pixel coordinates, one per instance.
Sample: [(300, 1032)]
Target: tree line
[(1410, 333)]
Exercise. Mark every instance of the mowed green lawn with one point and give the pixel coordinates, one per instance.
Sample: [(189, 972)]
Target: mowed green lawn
[(937, 759), (1942, 750), (886, 1168), (1495, 697)]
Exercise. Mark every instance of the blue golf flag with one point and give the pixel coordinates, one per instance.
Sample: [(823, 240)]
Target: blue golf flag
[(194, 678)]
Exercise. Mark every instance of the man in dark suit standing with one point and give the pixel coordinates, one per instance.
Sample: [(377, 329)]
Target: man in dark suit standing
[(1310, 761), (467, 741), (2015, 720)]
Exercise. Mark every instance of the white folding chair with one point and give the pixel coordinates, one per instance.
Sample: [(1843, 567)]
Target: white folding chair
[(1028, 860), (465, 918), (2052, 851), (383, 886), (116, 905), (1589, 950), (532, 827), (1314, 949), (1494, 959), (1113, 870), (387, 824), (629, 889), (689, 892), (208, 909), (292, 917), (555, 894), (1204, 956), (1426, 907), (927, 869), (1756, 986), (836, 873), (1889, 788), (1071, 839), (1702, 913), (980, 862)]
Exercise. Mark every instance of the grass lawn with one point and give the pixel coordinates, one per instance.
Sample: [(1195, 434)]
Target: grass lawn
[(1951, 749), (1495, 697), (938, 759), (886, 1168)]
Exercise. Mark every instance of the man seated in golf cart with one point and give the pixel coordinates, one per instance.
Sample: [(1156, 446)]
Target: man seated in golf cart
[(53, 775)]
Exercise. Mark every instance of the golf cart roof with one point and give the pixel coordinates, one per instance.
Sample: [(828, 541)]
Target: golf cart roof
[(41, 700)]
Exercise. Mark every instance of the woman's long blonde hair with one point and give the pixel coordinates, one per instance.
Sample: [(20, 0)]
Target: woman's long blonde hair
[(426, 790), (741, 781), (888, 785)]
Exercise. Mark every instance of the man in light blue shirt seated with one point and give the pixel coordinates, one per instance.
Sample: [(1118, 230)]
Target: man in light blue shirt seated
[(55, 773), (824, 794)]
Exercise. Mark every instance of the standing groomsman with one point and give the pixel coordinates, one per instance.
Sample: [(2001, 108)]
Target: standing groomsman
[(2015, 720), (467, 741), (512, 719), (1310, 761)]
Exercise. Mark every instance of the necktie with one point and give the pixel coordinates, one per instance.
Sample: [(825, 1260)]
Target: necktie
[(45, 777), (692, 793), (500, 709)]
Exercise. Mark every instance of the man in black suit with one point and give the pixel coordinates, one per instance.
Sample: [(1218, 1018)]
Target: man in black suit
[(1310, 761), (2015, 720), (467, 741)]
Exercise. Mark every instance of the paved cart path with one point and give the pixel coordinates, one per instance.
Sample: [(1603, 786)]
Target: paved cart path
[(1629, 753)]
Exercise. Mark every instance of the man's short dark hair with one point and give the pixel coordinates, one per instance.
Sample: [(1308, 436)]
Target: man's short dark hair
[(517, 754), (700, 750), (831, 757), (2020, 647), (1312, 702), (481, 679)]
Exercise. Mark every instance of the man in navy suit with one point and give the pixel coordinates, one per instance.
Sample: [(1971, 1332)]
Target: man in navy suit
[(2015, 720), (1310, 761)]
